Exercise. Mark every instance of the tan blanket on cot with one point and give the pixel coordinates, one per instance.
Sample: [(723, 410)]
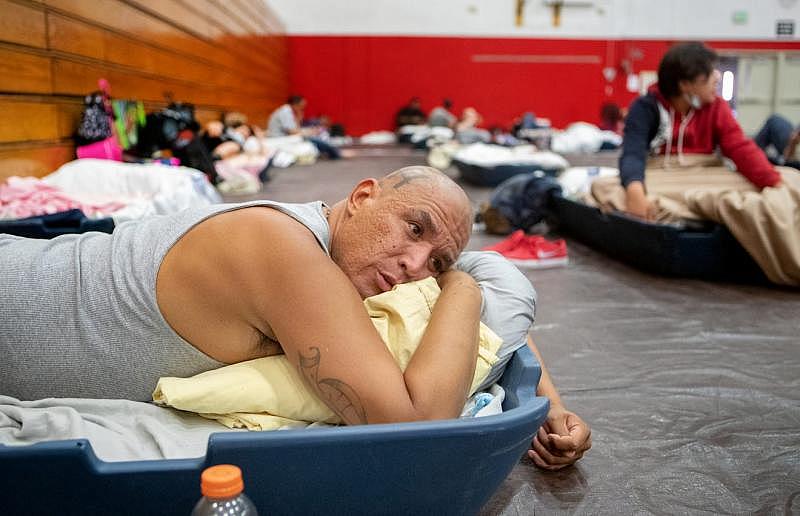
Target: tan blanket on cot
[(268, 393), (766, 223)]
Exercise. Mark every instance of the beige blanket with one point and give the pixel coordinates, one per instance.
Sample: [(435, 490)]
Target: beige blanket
[(766, 223)]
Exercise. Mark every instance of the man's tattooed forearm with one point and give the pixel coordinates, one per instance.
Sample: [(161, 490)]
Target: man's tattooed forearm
[(339, 396)]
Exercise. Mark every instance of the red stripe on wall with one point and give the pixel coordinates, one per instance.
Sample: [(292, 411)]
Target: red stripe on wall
[(361, 81)]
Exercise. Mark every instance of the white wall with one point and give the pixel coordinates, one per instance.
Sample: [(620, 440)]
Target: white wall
[(639, 19)]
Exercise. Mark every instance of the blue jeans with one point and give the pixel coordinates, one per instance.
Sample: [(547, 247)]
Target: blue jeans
[(776, 131), (325, 148)]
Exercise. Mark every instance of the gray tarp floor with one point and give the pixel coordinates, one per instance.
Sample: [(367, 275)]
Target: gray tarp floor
[(691, 388)]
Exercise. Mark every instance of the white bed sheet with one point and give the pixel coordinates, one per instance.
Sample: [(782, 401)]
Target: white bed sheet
[(145, 189)]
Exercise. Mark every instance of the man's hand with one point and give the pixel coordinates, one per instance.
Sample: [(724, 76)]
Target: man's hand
[(454, 277), (310, 131), (563, 439), (636, 202), (791, 146)]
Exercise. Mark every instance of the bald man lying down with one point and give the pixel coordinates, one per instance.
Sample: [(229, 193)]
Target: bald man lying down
[(104, 316)]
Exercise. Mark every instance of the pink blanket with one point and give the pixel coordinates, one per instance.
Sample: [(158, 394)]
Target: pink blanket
[(22, 197)]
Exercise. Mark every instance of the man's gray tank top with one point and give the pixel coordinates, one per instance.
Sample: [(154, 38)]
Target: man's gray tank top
[(78, 313)]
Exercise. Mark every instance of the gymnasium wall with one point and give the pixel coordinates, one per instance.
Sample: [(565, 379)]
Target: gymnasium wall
[(359, 61), (361, 81), (221, 56)]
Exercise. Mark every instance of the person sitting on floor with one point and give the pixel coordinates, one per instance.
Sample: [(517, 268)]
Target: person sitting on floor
[(105, 315), (440, 116), (321, 124), (467, 130), (410, 114), (225, 140), (779, 138), (285, 121), (682, 114), (612, 118)]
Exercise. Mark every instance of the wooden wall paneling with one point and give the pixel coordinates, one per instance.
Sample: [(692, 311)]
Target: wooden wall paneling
[(269, 21), (22, 24), (241, 70), (272, 18), (177, 14), (229, 26), (125, 52), (118, 16), (246, 24), (22, 121), (227, 40), (206, 115), (217, 55), (110, 13), (34, 160), (22, 72), (80, 38), (31, 118), (254, 15), (270, 48), (75, 37), (73, 78), (69, 116)]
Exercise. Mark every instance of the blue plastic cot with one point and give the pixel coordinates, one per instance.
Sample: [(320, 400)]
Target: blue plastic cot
[(491, 176), (704, 250), (439, 467)]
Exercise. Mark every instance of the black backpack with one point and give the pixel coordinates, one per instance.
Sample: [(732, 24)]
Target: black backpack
[(176, 129), (95, 124), (162, 129), (522, 201)]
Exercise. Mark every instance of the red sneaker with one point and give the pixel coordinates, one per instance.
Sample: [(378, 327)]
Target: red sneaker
[(516, 239), (539, 253)]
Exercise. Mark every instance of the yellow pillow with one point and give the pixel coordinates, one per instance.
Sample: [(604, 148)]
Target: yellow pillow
[(268, 393)]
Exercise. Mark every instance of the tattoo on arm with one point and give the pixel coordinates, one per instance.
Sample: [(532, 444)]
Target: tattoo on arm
[(339, 396)]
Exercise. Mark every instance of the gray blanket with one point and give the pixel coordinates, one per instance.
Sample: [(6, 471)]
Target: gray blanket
[(118, 430), (122, 430)]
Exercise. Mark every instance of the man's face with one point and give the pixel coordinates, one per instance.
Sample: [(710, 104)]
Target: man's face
[(299, 107), (705, 87), (404, 235), (215, 128)]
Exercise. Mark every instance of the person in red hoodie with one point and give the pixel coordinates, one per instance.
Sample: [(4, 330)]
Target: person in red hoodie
[(682, 114)]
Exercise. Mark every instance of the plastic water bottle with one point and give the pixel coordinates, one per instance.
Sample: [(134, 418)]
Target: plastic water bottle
[(222, 489)]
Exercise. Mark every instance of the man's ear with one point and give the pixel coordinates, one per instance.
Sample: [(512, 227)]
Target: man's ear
[(365, 191)]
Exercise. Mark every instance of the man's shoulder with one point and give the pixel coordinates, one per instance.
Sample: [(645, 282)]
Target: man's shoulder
[(264, 226), (272, 252), (646, 103), (280, 111)]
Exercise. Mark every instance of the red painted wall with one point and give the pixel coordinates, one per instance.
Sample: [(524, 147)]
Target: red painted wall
[(361, 81)]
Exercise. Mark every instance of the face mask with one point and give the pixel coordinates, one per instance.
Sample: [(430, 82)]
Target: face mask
[(693, 100), (235, 136)]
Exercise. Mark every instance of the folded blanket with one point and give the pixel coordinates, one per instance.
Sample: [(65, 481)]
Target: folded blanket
[(268, 393), (766, 223), (118, 430), (483, 155)]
